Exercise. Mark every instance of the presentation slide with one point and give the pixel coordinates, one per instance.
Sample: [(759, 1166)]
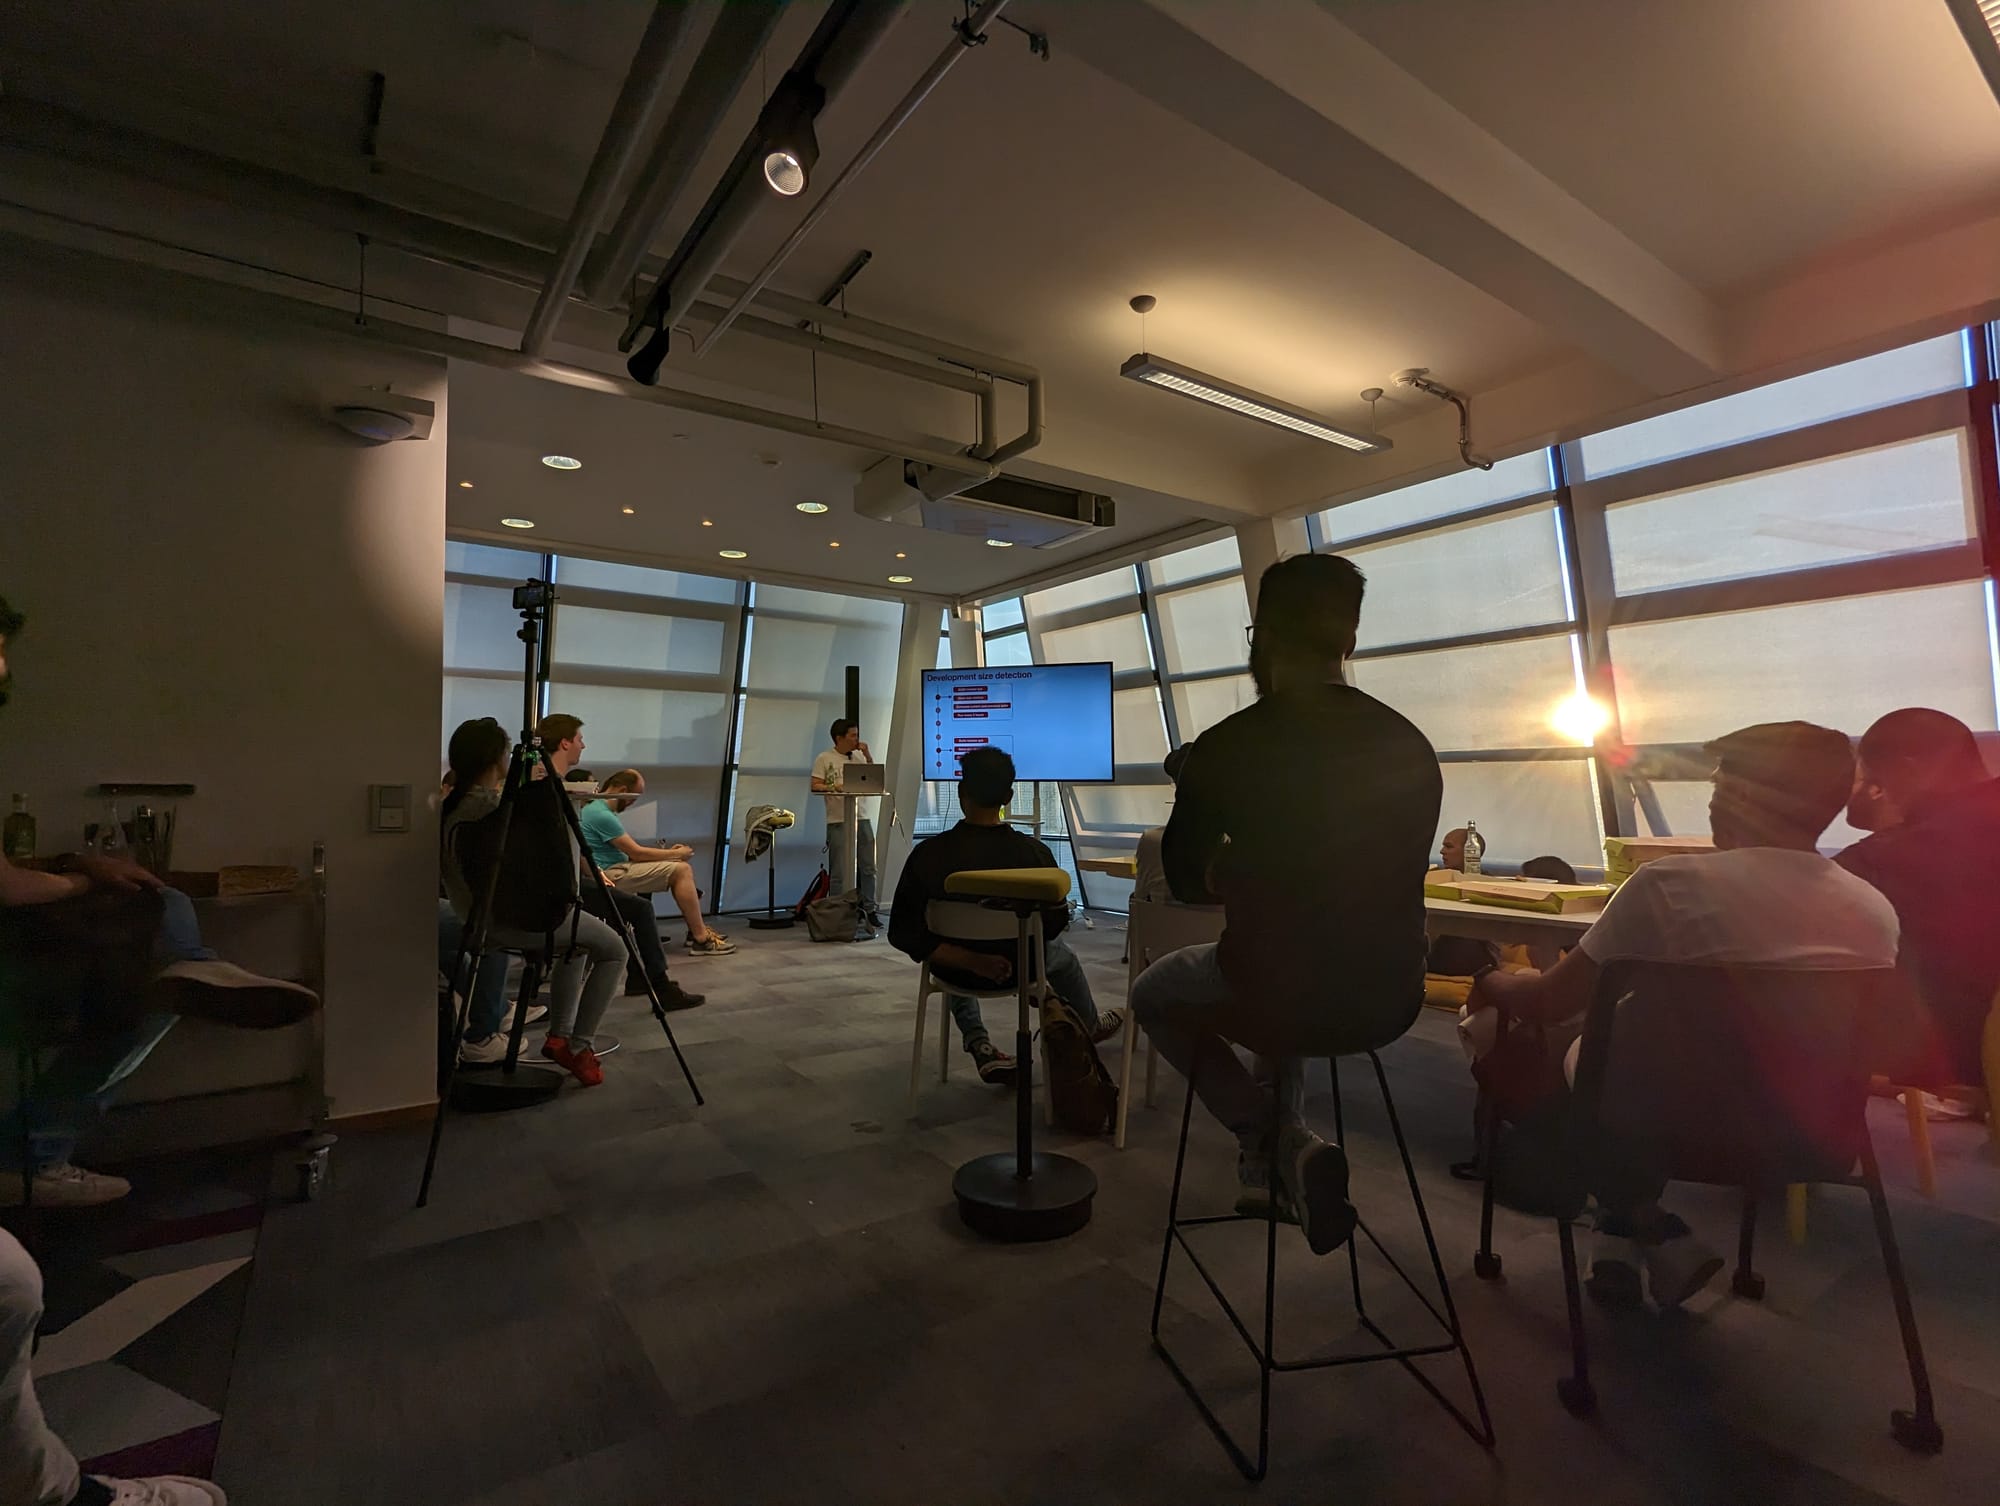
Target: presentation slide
[(1054, 718)]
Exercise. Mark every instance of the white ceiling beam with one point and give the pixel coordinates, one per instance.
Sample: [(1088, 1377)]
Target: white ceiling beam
[(1289, 86)]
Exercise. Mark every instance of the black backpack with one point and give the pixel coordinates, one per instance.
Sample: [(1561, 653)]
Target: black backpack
[(537, 888)]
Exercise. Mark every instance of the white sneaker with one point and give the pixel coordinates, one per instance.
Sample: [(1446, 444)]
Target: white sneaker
[(165, 1490), (64, 1186), (472, 1053), (211, 989), (1314, 1172), (537, 1012)]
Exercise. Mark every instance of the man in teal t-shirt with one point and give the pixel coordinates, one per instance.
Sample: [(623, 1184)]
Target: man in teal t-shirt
[(634, 868)]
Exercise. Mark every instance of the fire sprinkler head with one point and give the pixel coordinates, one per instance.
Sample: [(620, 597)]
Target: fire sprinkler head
[(1410, 376)]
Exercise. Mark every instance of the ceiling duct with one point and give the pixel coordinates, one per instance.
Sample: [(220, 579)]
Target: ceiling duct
[(1004, 508)]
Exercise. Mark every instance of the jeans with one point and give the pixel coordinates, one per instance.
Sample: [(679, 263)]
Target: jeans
[(79, 1080), (35, 1468), (584, 979), (487, 1010), (1179, 1000), (836, 861), (1066, 976)]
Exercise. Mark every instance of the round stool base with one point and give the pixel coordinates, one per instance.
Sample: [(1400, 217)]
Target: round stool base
[(1052, 1203), (496, 1092), (604, 1045), (772, 922)]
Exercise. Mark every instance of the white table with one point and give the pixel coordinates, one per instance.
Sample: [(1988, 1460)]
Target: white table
[(1457, 917)]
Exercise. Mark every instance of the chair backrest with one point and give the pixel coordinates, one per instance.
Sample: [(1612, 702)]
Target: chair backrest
[(1745, 1076), (967, 920)]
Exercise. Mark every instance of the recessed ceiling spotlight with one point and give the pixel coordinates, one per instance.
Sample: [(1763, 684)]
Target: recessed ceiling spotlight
[(734, 554), (815, 508), (833, 543), (900, 580), (900, 555), (561, 463), (706, 523), (517, 522), (999, 543), (467, 485), (627, 511)]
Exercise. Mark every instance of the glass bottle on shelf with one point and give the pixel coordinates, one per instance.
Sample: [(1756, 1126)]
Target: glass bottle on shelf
[(111, 833), (1475, 849), (19, 842)]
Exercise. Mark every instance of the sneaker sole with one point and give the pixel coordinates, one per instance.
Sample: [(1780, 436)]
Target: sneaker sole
[(1329, 1217), (243, 1008)]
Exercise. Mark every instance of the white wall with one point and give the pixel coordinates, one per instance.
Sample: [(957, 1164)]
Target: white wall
[(223, 588)]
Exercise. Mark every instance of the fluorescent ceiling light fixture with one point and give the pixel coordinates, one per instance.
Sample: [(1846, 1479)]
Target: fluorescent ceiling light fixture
[(517, 522), (900, 580), (734, 554), (814, 508), (999, 543), (561, 463), (1204, 388)]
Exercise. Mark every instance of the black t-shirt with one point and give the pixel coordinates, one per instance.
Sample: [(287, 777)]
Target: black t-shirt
[(963, 849), (1329, 801), (1941, 870)]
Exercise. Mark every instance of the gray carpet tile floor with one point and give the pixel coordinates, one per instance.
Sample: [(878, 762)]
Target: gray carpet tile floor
[(621, 1299)]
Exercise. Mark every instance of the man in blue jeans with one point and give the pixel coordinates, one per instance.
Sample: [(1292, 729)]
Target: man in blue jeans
[(106, 942), (984, 840)]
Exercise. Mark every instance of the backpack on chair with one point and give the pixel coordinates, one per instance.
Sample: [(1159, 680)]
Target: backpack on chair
[(1081, 1090)]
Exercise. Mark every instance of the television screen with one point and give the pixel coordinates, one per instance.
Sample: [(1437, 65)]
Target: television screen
[(1054, 718)]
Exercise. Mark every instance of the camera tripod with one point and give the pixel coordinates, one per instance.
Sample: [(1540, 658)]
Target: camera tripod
[(532, 601)]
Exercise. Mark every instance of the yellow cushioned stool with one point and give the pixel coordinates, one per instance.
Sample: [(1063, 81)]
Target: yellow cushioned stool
[(1026, 1194)]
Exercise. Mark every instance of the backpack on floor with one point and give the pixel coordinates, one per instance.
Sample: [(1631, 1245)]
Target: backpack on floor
[(1084, 1094), (817, 890), (835, 918)]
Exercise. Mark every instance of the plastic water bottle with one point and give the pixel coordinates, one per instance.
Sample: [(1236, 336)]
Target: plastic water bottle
[(1475, 849)]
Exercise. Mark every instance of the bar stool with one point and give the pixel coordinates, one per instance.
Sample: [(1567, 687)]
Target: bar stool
[(1023, 1194), (516, 1084), (1265, 1354)]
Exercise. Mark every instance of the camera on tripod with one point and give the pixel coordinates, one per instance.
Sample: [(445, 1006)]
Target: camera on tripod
[(534, 596)]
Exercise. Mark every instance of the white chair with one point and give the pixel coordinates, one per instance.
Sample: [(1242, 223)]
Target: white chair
[(1152, 929), (964, 920)]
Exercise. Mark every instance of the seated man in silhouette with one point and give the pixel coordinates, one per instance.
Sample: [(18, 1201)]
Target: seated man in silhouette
[(985, 840), (1309, 815), (1764, 898), (1924, 792)]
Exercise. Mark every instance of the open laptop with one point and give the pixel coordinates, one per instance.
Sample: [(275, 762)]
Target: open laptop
[(864, 779)]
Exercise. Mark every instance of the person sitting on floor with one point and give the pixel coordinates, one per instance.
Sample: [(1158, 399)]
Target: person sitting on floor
[(632, 868), (1310, 814), (1764, 898), (1924, 792), (1150, 882), (585, 972), (122, 953), (35, 1468), (984, 840)]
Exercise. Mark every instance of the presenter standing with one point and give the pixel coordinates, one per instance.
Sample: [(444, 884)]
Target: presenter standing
[(827, 771)]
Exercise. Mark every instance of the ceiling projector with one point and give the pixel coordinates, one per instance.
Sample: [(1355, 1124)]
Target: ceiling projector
[(380, 417)]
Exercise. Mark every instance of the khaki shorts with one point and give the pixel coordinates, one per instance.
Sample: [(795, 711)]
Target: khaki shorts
[(644, 878)]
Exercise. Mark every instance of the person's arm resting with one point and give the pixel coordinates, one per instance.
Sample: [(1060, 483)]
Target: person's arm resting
[(635, 852), (1562, 993), (29, 886)]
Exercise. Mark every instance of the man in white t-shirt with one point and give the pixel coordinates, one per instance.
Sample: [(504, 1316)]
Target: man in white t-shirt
[(1764, 898), (827, 770)]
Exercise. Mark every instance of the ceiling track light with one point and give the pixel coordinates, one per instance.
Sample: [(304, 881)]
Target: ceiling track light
[(1218, 393), (790, 150)]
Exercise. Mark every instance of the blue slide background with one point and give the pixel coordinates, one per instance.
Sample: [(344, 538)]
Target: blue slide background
[(1054, 718)]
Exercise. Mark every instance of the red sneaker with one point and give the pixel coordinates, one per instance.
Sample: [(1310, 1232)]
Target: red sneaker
[(582, 1065)]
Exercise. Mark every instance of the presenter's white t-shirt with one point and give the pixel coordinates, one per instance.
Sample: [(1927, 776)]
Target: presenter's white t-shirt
[(827, 769), (1747, 906)]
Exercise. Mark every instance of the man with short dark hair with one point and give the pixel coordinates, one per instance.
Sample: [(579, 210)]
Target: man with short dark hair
[(632, 868), (1310, 816), (1923, 790), (984, 840), (826, 776), (1764, 898)]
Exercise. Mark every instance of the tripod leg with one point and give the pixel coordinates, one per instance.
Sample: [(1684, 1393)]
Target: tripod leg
[(464, 969)]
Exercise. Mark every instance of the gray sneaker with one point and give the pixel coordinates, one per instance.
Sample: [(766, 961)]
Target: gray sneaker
[(1314, 1172), (1254, 1197), (714, 945)]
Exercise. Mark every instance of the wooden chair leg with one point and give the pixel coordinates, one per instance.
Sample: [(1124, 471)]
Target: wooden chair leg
[(1920, 1140), (1125, 1079), (1798, 1198), (944, 1041), (1152, 1069), (917, 1048)]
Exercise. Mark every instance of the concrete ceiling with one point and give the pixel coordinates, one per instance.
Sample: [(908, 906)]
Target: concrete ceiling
[(1567, 207)]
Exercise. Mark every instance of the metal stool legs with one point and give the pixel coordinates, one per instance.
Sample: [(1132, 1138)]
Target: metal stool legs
[(1254, 1468)]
